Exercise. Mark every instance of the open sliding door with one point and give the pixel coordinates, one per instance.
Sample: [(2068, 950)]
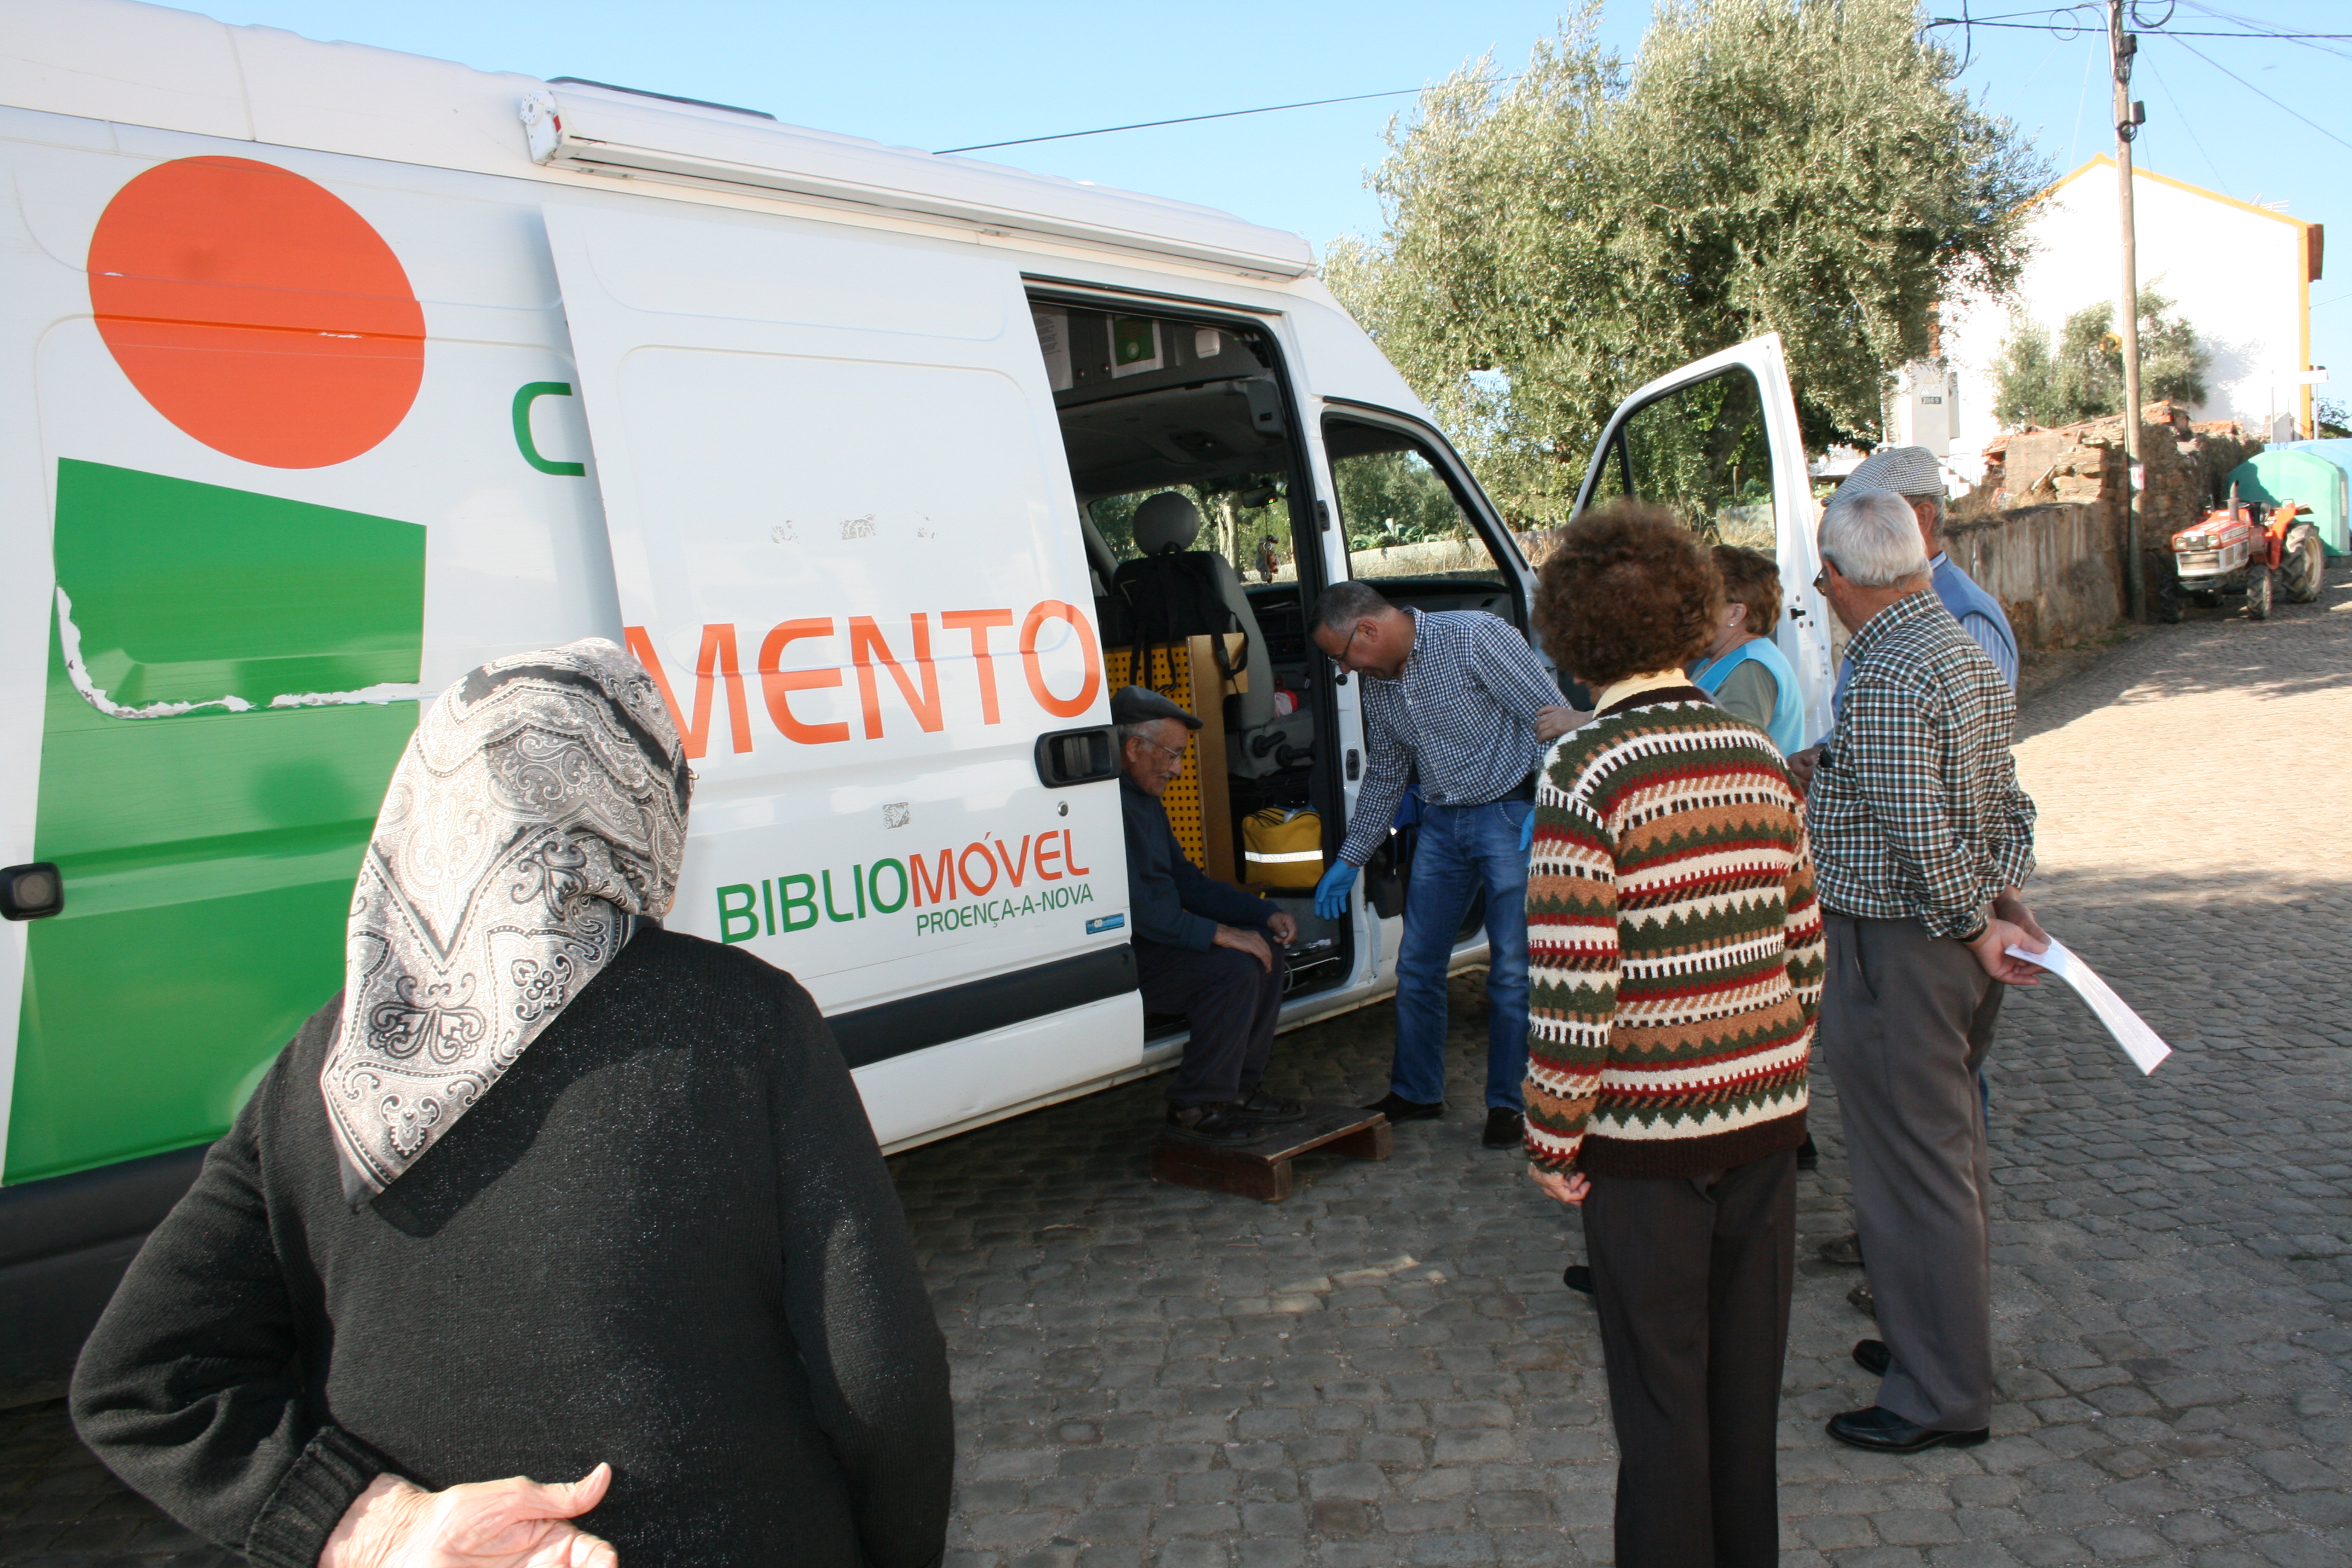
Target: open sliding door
[(845, 542), (1717, 443)]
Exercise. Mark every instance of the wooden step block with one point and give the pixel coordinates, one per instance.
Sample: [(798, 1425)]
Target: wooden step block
[(1262, 1169)]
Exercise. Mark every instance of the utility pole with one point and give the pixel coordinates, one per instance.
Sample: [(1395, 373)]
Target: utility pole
[(2121, 47)]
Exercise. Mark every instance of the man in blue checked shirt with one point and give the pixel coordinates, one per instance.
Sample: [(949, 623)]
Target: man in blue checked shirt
[(1456, 703)]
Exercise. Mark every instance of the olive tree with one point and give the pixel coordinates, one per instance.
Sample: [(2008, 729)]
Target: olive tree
[(1801, 167), (2083, 376)]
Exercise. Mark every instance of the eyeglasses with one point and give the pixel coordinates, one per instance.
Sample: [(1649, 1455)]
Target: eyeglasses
[(1822, 577), (1339, 660), (1177, 753)]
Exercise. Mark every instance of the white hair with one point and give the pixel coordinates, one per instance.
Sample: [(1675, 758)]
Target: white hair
[(1874, 538)]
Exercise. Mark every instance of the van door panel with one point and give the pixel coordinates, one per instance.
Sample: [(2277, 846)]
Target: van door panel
[(844, 541), (1693, 441)]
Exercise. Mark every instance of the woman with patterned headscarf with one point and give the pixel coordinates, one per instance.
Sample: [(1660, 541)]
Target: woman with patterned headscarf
[(547, 1191)]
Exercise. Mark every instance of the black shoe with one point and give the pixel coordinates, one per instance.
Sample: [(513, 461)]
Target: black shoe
[(1260, 1106), (1212, 1124), (1883, 1432), (1578, 1277), (1862, 1301), (1505, 1128), (1873, 1356), (1397, 1108), (1845, 1250), (1808, 1158)]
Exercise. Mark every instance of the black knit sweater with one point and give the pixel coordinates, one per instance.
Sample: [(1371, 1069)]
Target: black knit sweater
[(666, 1239)]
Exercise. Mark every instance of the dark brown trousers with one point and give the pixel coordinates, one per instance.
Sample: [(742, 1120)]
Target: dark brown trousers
[(1691, 1276)]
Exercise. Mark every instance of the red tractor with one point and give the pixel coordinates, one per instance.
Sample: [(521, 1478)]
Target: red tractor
[(2239, 549)]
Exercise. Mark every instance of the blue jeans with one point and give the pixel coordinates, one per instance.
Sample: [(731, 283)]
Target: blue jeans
[(1460, 847)]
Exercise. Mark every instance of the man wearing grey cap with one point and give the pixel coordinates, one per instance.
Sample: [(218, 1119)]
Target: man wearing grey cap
[(1201, 946), (1913, 473)]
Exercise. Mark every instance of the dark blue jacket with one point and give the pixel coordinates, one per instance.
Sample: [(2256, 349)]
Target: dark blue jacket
[(1173, 901)]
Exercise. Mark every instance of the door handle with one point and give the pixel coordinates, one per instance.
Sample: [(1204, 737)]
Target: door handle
[(31, 892), (1067, 757)]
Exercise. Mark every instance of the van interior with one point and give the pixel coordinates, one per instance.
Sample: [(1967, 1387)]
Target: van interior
[(1153, 405)]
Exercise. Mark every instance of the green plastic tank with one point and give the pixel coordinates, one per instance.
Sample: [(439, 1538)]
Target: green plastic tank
[(2316, 473)]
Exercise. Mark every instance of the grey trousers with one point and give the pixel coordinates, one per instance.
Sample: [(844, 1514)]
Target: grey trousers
[(1906, 1021)]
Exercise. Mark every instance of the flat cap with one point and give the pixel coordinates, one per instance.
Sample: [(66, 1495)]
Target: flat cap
[(1906, 470), (1141, 705)]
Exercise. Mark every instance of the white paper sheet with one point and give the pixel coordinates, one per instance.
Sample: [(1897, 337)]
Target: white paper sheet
[(2131, 1032)]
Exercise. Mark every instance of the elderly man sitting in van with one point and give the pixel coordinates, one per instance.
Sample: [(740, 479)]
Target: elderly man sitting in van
[(1202, 948)]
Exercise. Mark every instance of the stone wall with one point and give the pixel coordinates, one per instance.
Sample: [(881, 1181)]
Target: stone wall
[(2052, 567), (2081, 469)]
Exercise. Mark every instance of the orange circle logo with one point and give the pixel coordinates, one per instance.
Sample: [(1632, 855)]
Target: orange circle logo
[(257, 311)]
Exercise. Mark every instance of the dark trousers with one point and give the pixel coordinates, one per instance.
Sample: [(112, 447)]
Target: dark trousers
[(1907, 1019), (1691, 1276), (1229, 1000)]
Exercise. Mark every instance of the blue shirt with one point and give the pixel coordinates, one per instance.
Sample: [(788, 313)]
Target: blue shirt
[(1460, 718), (1787, 726), (1980, 615)]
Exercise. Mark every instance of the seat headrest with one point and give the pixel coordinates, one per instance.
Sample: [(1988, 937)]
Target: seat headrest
[(1167, 520)]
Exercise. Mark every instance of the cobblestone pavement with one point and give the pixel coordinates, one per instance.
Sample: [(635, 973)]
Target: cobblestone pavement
[(1386, 1370)]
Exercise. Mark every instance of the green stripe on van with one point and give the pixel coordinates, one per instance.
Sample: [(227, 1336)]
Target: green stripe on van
[(208, 856)]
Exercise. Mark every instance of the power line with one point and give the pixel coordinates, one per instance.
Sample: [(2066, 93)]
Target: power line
[(2076, 28), (2265, 96), (1195, 118), (2186, 124)]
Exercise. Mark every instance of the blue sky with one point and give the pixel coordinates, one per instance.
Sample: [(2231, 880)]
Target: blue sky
[(946, 75)]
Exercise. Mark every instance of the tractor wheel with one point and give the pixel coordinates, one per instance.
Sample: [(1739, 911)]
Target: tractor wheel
[(2258, 594), (2304, 563)]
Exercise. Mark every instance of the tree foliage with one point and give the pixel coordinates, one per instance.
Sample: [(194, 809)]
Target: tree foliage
[(1799, 166), (2083, 377)]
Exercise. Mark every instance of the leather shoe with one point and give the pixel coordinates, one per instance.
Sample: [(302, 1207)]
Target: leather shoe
[(1873, 1356), (1397, 1108), (1578, 1277), (1212, 1124), (1260, 1105), (1505, 1128), (1845, 1251), (1882, 1431)]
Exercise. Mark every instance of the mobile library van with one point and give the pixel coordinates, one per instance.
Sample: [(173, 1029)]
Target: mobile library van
[(331, 372)]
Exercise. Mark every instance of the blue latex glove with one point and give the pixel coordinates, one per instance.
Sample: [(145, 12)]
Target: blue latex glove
[(1331, 892), (1527, 831)]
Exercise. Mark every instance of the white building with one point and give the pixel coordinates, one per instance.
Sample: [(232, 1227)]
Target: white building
[(2240, 274)]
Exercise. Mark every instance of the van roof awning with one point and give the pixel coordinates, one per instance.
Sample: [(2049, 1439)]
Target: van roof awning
[(569, 128)]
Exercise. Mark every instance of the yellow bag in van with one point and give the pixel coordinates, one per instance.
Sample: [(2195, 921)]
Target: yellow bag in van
[(1283, 848)]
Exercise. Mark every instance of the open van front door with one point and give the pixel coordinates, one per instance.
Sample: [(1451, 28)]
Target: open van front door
[(845, 545), (1717, 443)]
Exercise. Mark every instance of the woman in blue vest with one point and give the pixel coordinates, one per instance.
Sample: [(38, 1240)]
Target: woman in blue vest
[(1744, 671)]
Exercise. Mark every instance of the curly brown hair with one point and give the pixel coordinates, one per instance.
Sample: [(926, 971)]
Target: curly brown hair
[(1628, 590), (1751, 578)]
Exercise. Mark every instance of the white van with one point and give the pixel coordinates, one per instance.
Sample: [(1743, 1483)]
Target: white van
[(330, 374)]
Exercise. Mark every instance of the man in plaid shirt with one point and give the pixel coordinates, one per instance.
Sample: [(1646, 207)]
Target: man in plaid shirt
[(1920, 838)]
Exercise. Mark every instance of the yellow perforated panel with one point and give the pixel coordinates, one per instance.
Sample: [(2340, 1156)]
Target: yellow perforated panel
[(1171, 676)]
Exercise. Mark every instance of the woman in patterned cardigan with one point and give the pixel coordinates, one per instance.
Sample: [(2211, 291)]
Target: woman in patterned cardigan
[(1676, 958)]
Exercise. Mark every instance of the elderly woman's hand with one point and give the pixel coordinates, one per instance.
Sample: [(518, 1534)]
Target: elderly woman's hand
[(1568, 1189), (513, 1524)]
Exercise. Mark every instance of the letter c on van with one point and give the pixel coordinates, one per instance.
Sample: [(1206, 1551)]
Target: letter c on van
[(530, 392)]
